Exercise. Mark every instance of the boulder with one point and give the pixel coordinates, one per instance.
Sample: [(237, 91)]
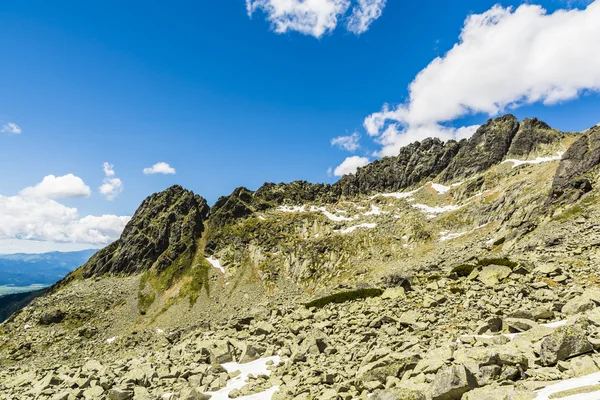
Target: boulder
[(565, 342), (493, 274), (399, 394), (451, 383)]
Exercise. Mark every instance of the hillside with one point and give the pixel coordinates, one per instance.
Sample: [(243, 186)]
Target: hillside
[(452, 270)]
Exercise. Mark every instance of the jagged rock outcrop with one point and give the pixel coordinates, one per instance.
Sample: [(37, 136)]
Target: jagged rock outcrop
[(570, 181), (488, 146), (532, 135), (415, 163), (164, 229)]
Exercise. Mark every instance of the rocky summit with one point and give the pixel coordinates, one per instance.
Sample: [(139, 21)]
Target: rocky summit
[(458, 270)]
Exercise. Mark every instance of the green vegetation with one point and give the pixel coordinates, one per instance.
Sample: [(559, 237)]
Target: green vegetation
[(484, 262), (462, 270), (343, 297)]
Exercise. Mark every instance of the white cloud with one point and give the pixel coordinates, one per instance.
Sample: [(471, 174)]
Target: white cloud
[(160, 168), (349, 143), (108, 169), (58, 187), (364, 14), (47, 220), (350, 165), (317, 17), (504, 58), (112, 186), (11, 127)]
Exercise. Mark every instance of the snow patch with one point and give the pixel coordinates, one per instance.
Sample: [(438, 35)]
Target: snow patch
[(374, 211), (353, 228), (432, 211), (261, 218), (441, 189), (256, 368), (538, 160), (291, 209), (159, 331), (110, 340), (215, 263), (449, 236), (575, 383), (444, 236), (329, 215), (397, 195)]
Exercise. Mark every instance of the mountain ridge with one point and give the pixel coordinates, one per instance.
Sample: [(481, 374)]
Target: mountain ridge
[(378, 285)]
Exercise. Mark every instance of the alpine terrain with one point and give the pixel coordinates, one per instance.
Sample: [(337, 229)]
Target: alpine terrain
[(454, 270)]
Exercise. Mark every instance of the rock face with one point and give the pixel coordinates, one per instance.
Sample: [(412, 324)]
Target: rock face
[(415, 163), (532, 134), (570, 181), (164, 228), (486, 147)]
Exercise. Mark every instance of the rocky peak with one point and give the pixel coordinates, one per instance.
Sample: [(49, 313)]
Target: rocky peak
[(571, 179), (164, 228), (532, 135), (417, 162), (486, 147)]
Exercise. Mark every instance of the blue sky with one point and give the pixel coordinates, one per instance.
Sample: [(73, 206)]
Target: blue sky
[(225, 99)]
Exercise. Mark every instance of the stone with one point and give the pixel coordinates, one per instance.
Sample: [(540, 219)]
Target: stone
[(565, 342), (192, 394), (493, 274), (452, 382), (393, 293), (499, 393), (399, 394), (578, 305), (119, 394)]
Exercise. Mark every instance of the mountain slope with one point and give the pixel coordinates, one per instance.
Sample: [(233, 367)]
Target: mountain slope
[(495, 235)]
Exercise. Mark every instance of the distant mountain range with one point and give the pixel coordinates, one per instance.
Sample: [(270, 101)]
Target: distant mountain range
[(44, 269)]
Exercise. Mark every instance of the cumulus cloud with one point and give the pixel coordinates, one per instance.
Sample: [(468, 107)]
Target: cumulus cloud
[(58, 187), (45, 219), (350, 165), (112, 186), (160, 168), (11, 127), (505, 58), (349, 143), (317, 17)]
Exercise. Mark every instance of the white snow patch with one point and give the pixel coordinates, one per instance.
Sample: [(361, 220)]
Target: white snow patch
[(575, 383), (167, 396), (27, 326), (432, 211), (353, 228), (329, 215), (215, 263), (538, 160), (110, 340), (291, 209), (261, 218), (159, 331), (444, 236), (449, 236), (256, 368), (398, 195), (441, 189), (374, 211)]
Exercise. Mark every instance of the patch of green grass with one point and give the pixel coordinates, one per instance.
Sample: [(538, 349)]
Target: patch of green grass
[(343, 297), (462, 270), (484, 262)]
